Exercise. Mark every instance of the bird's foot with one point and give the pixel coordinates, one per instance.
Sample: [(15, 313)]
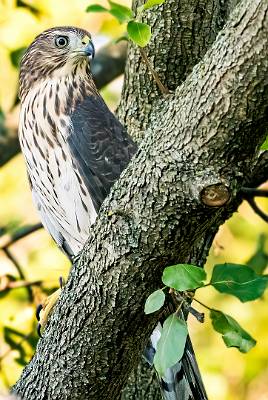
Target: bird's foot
[(44, 310)]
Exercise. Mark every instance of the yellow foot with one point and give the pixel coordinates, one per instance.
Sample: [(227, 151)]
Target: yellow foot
[(44, 310)]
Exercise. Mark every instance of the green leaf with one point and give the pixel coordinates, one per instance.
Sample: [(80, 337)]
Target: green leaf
[(139, 33), (96, 8), (154, 301), (232, 333), (259, 261), (264, 146), (16, 56), (184, 277), (170, 346), (152, 3), (238, 280), (121, 13)]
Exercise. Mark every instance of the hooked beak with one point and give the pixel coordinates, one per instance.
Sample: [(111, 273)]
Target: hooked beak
[(89, 50)]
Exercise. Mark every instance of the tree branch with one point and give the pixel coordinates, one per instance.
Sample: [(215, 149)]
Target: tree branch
[(8, 239), (201, 144), (182, 32), (109, 63)]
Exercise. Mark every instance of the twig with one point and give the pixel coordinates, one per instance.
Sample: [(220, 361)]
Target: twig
[(162, 88), (17, 344), (198, 315), (7, 284), (249, 195), (253, 192), (202, 304), (7, 240), (19, 269)]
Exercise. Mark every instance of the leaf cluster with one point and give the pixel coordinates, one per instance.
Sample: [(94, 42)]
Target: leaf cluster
[(245, 282), (138, 32)]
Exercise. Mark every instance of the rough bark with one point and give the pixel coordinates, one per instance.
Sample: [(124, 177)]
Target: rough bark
[(182, 32), (193, 27), (199, 148)]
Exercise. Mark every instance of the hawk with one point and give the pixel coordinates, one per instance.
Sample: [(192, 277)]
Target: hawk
[(75, 149)]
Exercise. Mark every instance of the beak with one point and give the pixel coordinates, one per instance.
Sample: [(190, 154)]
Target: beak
[(89, 50)]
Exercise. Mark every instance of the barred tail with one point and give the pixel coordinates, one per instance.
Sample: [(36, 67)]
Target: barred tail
[(182, 381)]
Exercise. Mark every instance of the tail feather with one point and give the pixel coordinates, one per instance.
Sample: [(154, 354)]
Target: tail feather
[(182, 381)]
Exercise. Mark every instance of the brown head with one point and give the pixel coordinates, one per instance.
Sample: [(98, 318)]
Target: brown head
[(55, 52)]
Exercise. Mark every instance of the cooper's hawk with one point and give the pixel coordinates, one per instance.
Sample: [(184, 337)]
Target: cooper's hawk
[(75, 149)]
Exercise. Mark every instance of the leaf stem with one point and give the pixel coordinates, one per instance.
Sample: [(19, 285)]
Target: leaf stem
[(163, 89), (206, 285), (202, 304), (179, 308)]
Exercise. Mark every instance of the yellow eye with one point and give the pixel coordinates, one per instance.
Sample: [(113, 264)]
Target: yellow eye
[(61, 41)]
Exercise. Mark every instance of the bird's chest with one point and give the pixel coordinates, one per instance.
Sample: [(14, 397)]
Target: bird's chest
[(43, 131)]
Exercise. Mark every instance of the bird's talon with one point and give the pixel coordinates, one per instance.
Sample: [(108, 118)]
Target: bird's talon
[(38, 329), (38, 311), (62, 282), (44, 310)]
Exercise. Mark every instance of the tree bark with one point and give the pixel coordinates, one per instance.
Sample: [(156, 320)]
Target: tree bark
[(182, 32), (199, 146), (193, 26)]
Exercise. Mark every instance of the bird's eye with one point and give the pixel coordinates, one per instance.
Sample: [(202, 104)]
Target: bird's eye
[(61, 41)]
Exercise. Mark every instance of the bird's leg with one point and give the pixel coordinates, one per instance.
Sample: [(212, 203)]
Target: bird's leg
[(44, 310)]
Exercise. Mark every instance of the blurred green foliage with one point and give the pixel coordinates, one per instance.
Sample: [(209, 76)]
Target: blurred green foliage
[(228, 375)]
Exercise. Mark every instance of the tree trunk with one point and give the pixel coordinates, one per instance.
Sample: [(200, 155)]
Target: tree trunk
[(200, 146)]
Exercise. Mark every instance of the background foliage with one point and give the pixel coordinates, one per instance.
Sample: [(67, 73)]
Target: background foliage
[(228, 375)]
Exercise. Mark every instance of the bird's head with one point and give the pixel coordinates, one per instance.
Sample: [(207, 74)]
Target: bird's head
[(56, 52)]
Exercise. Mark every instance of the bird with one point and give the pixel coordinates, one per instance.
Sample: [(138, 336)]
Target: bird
[(75, 150)]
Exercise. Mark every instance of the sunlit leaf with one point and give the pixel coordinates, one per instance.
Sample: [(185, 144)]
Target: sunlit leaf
[(264, 146), (152, 3), (121, 13), (238, 280), (139, 33), (154, 301), (184, 277), (96, 8), (232, 333), (170, 346)]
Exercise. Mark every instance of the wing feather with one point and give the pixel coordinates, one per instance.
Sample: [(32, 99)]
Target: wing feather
[(100, 146)]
